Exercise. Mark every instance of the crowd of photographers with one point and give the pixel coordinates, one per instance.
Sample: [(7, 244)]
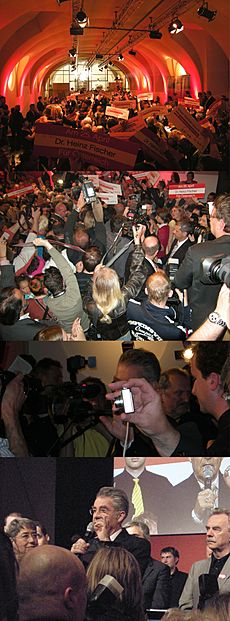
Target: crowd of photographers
[(41, 415), (88, 113), (74, 267)]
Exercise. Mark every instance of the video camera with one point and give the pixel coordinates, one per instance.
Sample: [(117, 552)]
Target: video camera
[(36, 402), (215, 270)]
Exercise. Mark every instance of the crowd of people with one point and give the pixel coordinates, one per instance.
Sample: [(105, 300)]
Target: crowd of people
[(111, 575), (41, 415), (86, 111), (131, 265)]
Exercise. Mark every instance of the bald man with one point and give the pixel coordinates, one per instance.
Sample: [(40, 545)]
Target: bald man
[(51, 586)]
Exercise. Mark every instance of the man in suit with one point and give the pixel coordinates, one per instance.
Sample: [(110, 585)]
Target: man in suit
[(198, 495), (170, 557), (108, 512), (179, 247), (218, 565), (202, 297), (155, 580), (153, 490)]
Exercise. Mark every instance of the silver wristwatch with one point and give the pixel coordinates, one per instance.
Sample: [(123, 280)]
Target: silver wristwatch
[(214, 317)]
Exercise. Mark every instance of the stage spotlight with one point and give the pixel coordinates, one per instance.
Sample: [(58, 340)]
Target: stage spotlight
[(120, 57), (176, 26), (204, 11), (82, 18), (110, 63), (73, 52), (132, 52), (155, 34), (106, 67), (99, 56), (75, 31)]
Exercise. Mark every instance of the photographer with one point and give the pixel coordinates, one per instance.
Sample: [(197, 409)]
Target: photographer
[(202, 297), (64, 298), (14, 445), (149, 417)]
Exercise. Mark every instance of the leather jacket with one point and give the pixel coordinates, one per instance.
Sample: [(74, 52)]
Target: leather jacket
[(119, 325)]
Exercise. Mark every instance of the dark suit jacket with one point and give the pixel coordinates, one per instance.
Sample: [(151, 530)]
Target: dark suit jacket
[(155, 489), (177, 582), (180, 253), (140, 548), (185, 495), (156, 585), (202, 297)]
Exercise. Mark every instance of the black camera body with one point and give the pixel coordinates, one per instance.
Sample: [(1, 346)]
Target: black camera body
[(215, 270)]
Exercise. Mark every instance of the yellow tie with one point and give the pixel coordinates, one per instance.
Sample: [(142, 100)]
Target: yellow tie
[(137, 499)]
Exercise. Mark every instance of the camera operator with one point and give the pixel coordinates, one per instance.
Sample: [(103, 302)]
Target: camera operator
[(202, 297), (149, 417), (14, 444)]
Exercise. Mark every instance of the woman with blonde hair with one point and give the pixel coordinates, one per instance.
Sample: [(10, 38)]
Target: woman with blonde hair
[(106, 301), (121, 565)]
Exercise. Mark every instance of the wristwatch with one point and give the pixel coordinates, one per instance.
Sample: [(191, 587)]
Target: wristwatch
[(214, 317)]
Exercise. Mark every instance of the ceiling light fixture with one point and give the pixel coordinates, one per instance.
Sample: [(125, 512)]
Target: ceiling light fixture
[(73, 52), (82, 18), (155, 34), (204, 11), (176, 26), (120, 57)]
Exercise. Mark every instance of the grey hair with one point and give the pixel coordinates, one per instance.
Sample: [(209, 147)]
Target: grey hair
[(118, 496), (17, 525)]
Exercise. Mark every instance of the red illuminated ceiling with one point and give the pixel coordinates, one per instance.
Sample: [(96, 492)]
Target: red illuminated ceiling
[(35, 34)]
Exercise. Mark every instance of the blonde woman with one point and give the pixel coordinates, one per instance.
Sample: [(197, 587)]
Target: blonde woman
[(106, 301)]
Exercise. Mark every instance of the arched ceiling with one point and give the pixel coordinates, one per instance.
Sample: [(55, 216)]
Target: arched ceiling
[(35, 37)]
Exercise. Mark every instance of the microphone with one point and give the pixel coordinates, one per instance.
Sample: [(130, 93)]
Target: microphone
[(208, 474), (89, 533)]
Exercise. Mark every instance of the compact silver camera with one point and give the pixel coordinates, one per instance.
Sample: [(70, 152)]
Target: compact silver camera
[(125, 401)]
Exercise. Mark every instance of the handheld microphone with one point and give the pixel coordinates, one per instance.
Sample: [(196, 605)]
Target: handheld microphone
[(89, 533), (208, 475)]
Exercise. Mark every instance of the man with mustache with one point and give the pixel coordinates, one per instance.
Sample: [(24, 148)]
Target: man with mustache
[(218, 565)]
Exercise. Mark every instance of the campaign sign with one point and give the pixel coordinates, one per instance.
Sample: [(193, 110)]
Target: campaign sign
[(119, 113), (186, 190), (27, 189), (183, 120), (102, 150)]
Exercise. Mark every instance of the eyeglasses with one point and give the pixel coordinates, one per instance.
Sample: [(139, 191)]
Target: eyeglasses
[(102, 510)]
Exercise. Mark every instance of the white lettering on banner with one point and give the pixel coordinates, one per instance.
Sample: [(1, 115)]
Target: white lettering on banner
[(18, 191), (189, 127), (119, 113), (106, 186), (193, 189), (108, 198)]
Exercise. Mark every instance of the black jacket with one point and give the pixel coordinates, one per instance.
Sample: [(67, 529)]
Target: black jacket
[(140, 548), (155, 582), (119, 325), (177, 582), (202, 297), (148, 322)]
